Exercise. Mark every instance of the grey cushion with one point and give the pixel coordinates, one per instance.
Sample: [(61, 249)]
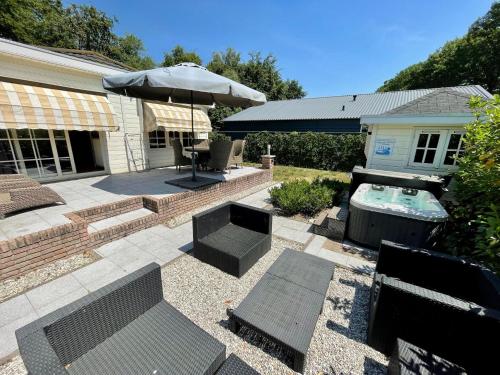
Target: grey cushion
[(161, 340)]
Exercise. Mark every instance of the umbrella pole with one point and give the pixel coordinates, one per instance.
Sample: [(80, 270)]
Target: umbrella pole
[(193, 161)]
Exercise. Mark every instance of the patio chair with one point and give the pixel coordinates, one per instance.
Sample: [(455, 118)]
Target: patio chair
[(19, 192), (180, 159), (441, 303), (232, 237), (285, 304), (125, 327), (204, 143), (221, 153), (237, 156)]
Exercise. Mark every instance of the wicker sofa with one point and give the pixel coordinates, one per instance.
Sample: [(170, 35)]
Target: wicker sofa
[(18, 192), (124, 328), (232, 237), (441, 303)]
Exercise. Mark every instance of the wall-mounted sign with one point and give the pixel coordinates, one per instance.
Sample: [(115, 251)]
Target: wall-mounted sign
[(384, 147)]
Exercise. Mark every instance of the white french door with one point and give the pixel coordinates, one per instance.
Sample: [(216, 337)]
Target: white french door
[(436, 149)]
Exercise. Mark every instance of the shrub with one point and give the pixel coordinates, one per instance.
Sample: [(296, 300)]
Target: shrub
[(304, 197), (474, 226), (310, 150), (216, 136)]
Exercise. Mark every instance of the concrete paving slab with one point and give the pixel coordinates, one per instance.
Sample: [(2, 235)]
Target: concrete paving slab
[(14, 309), (89, 275), (347, 261), (8, 342), (62, 301), (53, 290)]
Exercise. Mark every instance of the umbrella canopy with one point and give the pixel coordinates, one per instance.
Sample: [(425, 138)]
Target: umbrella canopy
[(179, 82)]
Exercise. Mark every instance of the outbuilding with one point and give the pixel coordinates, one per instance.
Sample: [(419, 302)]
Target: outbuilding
[(423, 136), (332, 114)]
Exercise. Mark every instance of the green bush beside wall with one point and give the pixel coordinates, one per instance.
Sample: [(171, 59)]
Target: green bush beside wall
[(310, 150)]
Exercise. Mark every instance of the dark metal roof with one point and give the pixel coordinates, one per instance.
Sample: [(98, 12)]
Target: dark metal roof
[(91, 56), (341, 107)]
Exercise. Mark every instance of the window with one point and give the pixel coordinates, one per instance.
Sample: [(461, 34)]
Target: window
[(454, 149), (426, 147), (186, 139), (173, 135), (157, 139)]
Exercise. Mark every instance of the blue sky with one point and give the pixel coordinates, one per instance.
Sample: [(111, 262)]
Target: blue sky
[(330, 47)]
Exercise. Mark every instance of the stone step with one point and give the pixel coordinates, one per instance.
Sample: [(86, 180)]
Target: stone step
[(119, 226), (118, 219)]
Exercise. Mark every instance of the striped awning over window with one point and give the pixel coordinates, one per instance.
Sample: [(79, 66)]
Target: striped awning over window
[(35, 107), (174, 117)]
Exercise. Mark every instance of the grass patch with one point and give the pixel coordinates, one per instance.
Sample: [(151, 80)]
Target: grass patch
[(286, 173)]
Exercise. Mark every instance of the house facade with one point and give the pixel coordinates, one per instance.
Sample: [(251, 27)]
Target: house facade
[(57, 122), (423, 136)]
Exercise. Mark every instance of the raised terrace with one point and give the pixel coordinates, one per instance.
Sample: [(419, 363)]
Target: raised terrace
[(101, 209)]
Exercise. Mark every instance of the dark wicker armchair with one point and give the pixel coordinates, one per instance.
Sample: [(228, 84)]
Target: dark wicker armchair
[(124, 328), (221, 153), (441, 303), (232, 237), (180, 159)]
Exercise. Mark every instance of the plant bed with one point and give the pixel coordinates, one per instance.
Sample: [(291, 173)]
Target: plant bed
[(301, 197)]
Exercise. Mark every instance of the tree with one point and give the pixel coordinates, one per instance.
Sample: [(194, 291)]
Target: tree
[(49, 23), (37, 22), (474, 226), (129, 50), (472, 59), (259, 73), (91, 28), (178, 55)]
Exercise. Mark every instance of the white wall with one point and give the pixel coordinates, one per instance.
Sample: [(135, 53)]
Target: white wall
[(403, 137), (125, 147)]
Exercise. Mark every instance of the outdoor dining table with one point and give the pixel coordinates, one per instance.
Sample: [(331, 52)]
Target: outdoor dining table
[(203, 154)]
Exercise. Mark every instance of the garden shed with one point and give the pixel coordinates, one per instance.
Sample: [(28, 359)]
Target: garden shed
[(423, 136)]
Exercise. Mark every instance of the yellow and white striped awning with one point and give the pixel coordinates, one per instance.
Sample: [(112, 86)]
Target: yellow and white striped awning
[(174, 117), (35, 107)]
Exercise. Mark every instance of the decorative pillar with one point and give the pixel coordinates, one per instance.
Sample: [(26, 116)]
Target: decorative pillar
[(267, 161)]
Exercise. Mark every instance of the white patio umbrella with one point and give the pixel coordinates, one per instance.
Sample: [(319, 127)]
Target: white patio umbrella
[(184, 83)]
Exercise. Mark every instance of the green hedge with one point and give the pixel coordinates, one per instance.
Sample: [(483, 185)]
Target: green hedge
[(309, 150)]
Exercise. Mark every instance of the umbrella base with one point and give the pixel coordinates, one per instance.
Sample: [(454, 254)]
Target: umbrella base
[(188, 183)]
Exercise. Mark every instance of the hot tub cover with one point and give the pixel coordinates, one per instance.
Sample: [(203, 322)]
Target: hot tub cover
[(392, 201)]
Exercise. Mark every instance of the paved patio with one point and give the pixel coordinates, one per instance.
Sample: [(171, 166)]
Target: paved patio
[(94, 191)]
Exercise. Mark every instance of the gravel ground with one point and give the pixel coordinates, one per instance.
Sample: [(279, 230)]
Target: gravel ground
[(203, 293), (12, 287), (181, 219)]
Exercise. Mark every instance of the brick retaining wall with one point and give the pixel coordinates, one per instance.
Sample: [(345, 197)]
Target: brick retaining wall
[(26, 253)]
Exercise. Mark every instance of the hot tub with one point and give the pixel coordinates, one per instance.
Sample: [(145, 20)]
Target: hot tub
[(408, 216)]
